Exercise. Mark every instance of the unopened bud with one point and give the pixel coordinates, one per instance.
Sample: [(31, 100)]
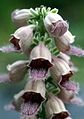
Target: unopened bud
[(20, 17)]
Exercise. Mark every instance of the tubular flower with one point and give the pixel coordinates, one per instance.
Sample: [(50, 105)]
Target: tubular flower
[(29, 100), (40, 61), (16, 72), (68, 91), (63, 42), (67, 59), (20, 17), (22, 38), (55, 109), (55, 25), (33, 97), (60, 70)]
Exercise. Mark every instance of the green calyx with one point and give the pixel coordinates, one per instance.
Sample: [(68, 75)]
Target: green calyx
[(40, 34), (51, 86)]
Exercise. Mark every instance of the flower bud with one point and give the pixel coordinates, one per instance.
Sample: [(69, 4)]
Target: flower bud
[(55, 109), (60, 70), (22, 38), (40, 61), (33, 95), (55, 24), (20, 17), (63, 42), (17, 70)]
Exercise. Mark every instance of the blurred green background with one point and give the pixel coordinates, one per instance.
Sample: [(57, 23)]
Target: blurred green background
[(73, 12)]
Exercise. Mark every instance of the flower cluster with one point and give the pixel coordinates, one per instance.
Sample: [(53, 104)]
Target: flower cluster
[(44, 37)]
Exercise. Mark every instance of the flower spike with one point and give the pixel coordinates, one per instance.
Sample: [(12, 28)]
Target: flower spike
[(44, 37)]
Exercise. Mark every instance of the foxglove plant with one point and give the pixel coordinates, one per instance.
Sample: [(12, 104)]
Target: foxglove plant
[(44, 37)]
